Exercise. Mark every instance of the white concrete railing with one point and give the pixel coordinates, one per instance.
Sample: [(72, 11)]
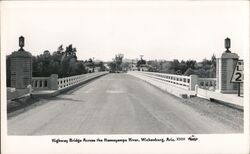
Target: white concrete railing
[(55, 83), (74, 80), (44, 83), (207, 83), (186, 82), (174, 79), (40, 82)]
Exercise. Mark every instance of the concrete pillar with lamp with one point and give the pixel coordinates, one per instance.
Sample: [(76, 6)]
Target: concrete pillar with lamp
[(224, 69), (21, 67)]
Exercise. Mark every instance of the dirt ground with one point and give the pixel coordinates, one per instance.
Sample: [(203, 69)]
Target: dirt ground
[(219, 112)]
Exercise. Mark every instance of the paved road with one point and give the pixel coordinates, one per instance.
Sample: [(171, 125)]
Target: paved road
[(114, 104)]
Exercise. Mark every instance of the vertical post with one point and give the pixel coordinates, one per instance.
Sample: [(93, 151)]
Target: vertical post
[(53, 82), (193, 82), (196, 89), (239, 89), (161, 65), (33, 83), (30, 88)]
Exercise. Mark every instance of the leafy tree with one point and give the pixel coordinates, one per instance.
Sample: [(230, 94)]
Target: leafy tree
[(63, 63), (125, 65), (118, 61), (154, 66), (141, 62), (101, 65), (189, 71), (213, 68), (175, 66), (112, 66), (205, 68)]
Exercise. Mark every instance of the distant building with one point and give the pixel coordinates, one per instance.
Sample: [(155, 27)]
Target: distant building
[(144, 68), (133, 67), (106, 67), (97, 69)]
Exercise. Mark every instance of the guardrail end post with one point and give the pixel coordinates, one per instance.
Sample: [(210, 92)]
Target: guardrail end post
[(196, 89), (30, 88)]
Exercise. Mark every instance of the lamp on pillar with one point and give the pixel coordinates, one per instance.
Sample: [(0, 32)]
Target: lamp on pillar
[(21, 43), (224, 69), (227, 44), (21, 67)]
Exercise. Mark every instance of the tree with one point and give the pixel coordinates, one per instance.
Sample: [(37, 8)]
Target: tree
[(175, 65), (141, 62), (63, 63), (213, 68), (102, 67), (154, 66), (189, 71), (125, 65), (207, 68), (182, 68), (69, 50), (112, 66), (60, 49), (118, 61), (191, 64)]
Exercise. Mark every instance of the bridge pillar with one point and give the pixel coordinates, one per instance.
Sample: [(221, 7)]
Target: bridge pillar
[(21, 67), (224, 70), (193, 82)]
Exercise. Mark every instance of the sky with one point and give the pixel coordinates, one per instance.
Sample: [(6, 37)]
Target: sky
[(156, 29)]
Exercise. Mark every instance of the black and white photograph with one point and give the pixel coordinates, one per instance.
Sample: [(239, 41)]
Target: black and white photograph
[(125, 73)]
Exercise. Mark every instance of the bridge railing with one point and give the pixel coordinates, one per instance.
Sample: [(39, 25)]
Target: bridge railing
[(40, 82), (55, 83), (185, 82), (74, 80), (44, 83), (207, 83)]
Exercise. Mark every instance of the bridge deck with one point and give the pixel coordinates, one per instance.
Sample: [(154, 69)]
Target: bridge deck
[(120, 104)]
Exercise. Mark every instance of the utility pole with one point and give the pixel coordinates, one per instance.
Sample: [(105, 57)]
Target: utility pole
[(93, 64), (140, 62), (161, 65), (141, 56), (132, 66)]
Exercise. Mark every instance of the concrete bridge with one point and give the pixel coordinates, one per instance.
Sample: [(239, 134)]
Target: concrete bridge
[(125, 103), (121, 103)]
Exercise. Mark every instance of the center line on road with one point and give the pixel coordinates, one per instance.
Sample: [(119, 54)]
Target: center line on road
[(89, 90), (115, 91)]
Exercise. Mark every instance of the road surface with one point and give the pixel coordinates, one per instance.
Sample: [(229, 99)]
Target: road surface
[(114, 104)]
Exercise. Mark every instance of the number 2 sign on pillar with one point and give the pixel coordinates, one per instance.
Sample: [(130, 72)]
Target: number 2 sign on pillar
[(238, 74)]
